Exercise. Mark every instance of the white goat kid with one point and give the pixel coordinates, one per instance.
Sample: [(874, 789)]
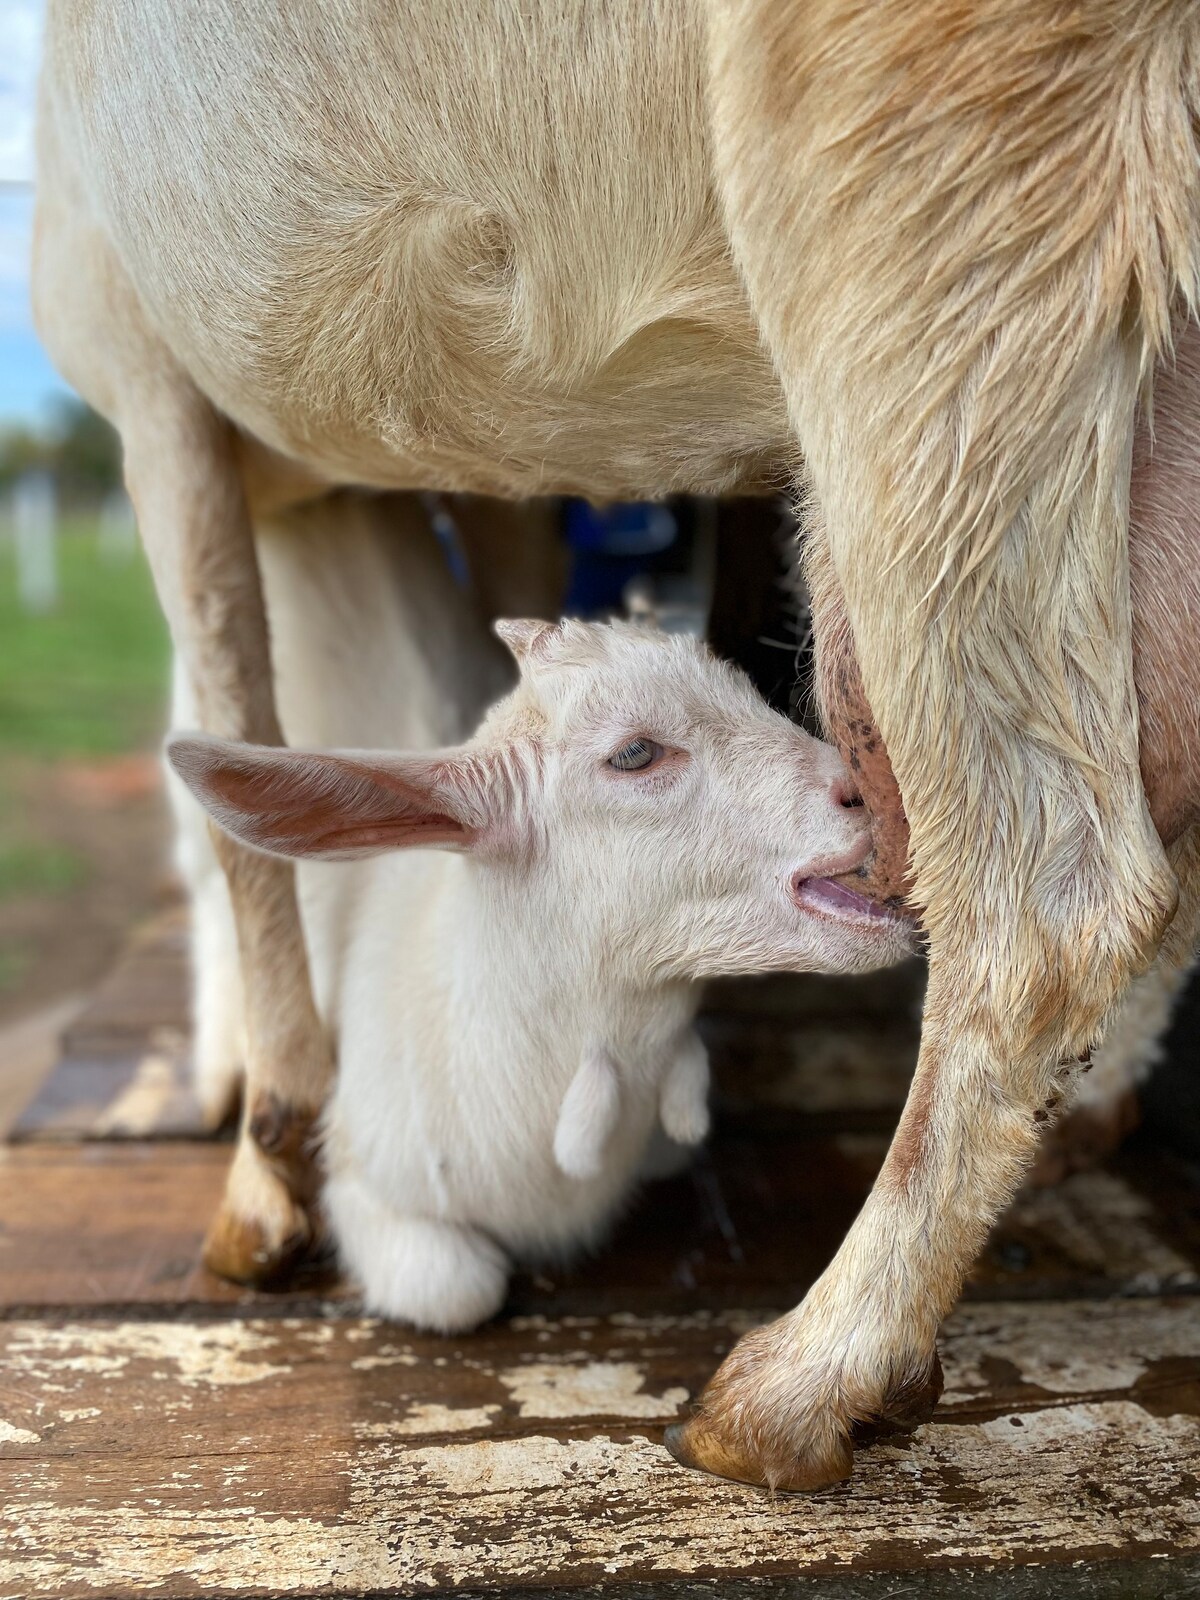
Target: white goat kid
[(512, 1008)]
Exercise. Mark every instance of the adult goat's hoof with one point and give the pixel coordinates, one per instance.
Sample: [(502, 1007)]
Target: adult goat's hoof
[(758, 1422), (244, 1251), (698, 1444), (752, 1423), (260, 1230)]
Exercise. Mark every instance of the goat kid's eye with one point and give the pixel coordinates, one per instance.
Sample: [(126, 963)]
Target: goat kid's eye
[(636, 756)]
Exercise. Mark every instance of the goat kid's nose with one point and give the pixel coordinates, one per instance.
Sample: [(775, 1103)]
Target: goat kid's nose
[(824, 770), (844, 792)]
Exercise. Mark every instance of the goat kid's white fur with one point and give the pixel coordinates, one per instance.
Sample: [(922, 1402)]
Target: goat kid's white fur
[(512, 1013)]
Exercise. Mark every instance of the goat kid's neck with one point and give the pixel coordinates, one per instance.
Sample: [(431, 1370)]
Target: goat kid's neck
[(553, 970)]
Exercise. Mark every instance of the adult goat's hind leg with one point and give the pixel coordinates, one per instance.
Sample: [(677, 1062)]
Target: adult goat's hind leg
[(962, 319), (184, 481)]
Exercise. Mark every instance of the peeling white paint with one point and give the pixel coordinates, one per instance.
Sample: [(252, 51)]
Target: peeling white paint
[(217, 1354), (553, 1389), (139, 1107), (1062, 1347), (1057, 1424), (509, 1511), (515, 1466), (426, 1419), (387, 1510), (11, 1434)]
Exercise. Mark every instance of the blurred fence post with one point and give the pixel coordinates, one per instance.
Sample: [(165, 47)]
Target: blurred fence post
[(35, 543), (118, 531)]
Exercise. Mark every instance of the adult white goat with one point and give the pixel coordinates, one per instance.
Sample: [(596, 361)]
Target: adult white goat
[(512, 1009), (934, 247)]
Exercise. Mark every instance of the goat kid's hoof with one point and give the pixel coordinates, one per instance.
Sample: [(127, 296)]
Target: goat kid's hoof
[(247, 1250)]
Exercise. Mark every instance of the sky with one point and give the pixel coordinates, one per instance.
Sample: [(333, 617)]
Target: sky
[(27, 380)]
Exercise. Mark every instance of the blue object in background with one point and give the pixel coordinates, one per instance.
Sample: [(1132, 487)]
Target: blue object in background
[(609, 545)]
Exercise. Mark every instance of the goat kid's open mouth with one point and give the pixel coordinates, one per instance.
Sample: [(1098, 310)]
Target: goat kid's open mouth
[(837, 900)]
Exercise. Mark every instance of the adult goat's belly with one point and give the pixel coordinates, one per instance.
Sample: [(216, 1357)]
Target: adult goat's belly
[(455, 354), (1164, 560), (673, 405), (470, 248)]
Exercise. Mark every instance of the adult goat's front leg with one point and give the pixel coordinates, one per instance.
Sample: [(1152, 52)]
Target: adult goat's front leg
[(858, 1358), (962, 325), (186, 487)]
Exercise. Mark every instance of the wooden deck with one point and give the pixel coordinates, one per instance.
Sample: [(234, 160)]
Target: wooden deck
[(165, 1434)]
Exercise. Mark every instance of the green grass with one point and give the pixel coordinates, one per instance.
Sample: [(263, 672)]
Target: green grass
[(39, 869), (88, 678), (14, 961)]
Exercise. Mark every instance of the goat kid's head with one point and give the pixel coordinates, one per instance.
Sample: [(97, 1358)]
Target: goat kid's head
[(643, 792)]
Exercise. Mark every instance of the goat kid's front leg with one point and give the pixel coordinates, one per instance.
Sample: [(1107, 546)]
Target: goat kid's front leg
[(591, 1107), (185, 484)]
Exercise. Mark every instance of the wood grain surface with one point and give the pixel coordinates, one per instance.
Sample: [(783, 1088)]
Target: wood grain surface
[(312, 1456), (163, 1433)]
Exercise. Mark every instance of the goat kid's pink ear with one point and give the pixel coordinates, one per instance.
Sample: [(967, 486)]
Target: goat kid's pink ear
[(334, 805), (527, 638)]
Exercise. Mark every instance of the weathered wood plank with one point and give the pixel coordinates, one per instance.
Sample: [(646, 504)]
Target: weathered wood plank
[(95, 1225), (144, 1000), (124, 1064), (751, 1224), (848, 1073), (139, 1094), (310, 1457), (840, 1050)]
